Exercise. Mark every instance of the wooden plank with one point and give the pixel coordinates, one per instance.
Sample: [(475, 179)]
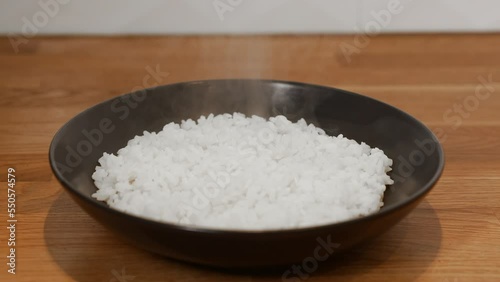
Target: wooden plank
[(453, 236)]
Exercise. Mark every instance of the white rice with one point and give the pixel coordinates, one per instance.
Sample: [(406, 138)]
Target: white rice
[(236, 172)]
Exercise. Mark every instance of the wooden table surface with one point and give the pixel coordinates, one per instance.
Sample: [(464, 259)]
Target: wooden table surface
[(453, 236)]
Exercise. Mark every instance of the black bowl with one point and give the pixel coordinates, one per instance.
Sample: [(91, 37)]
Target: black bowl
[(106, 127)]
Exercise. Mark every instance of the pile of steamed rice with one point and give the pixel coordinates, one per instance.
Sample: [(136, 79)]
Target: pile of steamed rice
[(236, 172)]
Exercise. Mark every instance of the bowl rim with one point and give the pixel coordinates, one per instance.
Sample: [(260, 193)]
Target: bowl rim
[(242, 232)]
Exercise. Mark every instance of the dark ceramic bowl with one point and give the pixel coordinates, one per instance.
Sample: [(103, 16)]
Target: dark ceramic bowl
[(106, 127)]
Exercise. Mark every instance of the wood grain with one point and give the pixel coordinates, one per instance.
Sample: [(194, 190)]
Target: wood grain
[(453, 236)]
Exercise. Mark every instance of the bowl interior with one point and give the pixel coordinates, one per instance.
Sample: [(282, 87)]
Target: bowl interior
[(106, 127)]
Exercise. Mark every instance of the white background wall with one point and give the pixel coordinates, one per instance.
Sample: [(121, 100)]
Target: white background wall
[(245, 16)]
